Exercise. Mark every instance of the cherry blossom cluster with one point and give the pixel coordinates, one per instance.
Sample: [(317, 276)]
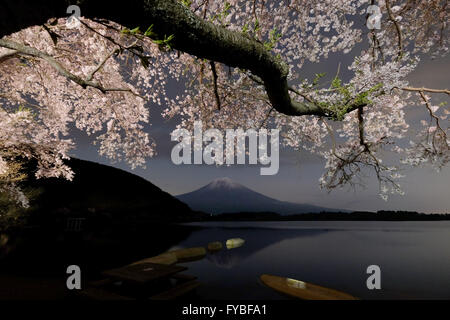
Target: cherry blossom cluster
[(108, 77)]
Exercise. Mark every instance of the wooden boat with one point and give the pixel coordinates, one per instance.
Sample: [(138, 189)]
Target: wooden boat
[(175, 256), (234, 243), (215, 246), (189, 254), (164, 258), (303, 290)]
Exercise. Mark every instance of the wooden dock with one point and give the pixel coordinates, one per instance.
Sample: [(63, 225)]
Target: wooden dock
[(141, 281), (143, 273)]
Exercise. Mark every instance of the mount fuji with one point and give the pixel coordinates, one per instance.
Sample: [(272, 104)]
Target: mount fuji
[(226, 196)]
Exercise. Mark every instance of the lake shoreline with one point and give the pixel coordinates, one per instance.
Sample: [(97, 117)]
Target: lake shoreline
[(331, 216)]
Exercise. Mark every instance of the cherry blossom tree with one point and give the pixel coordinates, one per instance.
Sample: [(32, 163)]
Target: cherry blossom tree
[(240, 65)]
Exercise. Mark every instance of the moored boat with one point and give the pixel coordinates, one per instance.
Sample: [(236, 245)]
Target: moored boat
[(303, 290)]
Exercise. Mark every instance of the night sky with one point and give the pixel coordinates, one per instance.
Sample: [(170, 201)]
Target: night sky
[(297, 180)]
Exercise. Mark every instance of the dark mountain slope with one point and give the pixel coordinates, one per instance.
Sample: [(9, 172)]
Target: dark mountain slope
[(100, 189)]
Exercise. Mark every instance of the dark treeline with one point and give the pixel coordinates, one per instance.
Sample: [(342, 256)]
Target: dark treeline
[(332, 216)]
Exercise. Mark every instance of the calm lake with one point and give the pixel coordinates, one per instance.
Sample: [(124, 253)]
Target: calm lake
[(414, 257)]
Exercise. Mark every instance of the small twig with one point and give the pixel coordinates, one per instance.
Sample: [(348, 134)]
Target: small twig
[(301, 94), (29, 51), (128, 48), (200, 5), (266, 118), (205, 9), (397, 27), (338, 70), (331, 134), (433, 116), (426, 90), (100, 65)]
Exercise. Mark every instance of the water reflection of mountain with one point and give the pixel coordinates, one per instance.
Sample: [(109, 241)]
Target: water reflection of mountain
[(255, 241)]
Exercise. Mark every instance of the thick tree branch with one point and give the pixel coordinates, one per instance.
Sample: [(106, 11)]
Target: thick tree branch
[(192, 35), (215, 77), (8, 55)]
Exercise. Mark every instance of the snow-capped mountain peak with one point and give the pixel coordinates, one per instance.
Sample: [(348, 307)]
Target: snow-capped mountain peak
[(224, 195), (223, 183)]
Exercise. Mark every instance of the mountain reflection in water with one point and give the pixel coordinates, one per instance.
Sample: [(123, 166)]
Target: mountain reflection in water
[(254, 242)]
